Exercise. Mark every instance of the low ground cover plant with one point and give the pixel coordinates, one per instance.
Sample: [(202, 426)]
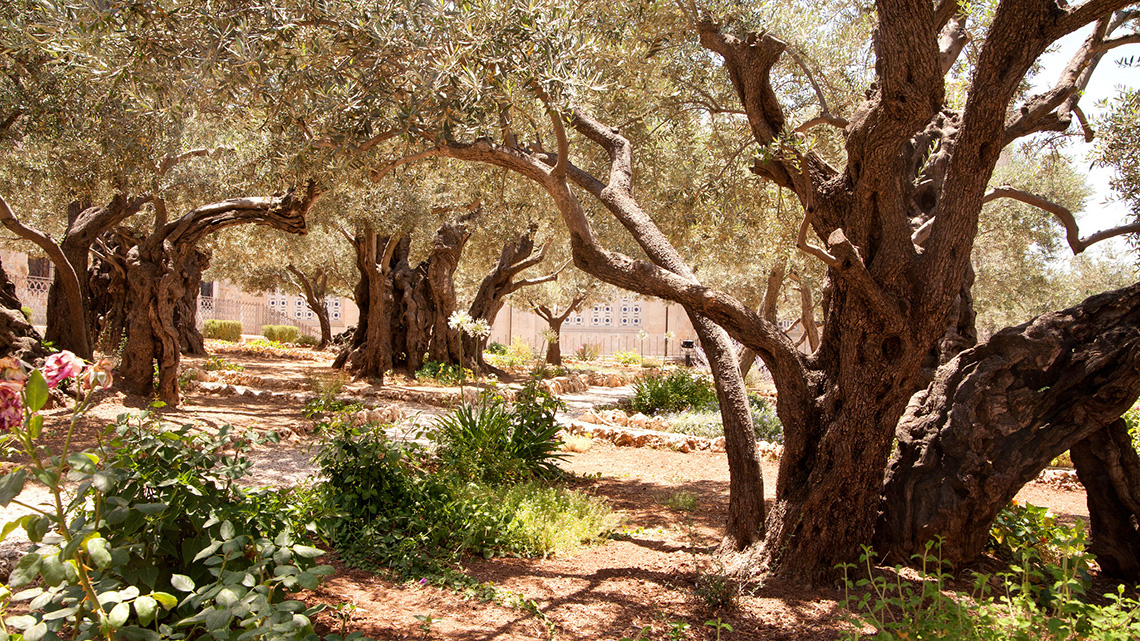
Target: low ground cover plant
[(676, 391), (1043, 595), (485, 490), (443, 373)]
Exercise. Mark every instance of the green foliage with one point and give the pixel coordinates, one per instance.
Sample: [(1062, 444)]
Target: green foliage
[(717, 589), (158, 511), (588, 352), (519, 354), (496, 348), (542, 370), (223, 330), (921, 609), (219, 363), (443, 373), (27, 312), (280, 333), (259, 343), (1044, 552), (627, 358), (677, 391), (681, 500), (396, 509), (307, 341), (764, 420), (1132, 421), (493, 443)]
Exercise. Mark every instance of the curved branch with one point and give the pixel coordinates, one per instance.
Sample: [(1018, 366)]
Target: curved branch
[(169, 162), (66, 271), (823, 119), (1063, 216)]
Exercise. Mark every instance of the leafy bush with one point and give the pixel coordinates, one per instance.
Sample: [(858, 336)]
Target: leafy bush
[(764, 420), (157, 511), (493, 443), (223, 330), (218, 363), (588, 352), (519, 354), (627, 358), (677, 391), (27, 312), (397, 510), (547, 520), (496, 348), (1044, 551), (1132, 420), (307, 341), (443, 373), (258, 343), (280, 333)]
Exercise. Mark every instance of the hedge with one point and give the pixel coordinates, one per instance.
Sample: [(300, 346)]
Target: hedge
[(224, 330), (280, 333)]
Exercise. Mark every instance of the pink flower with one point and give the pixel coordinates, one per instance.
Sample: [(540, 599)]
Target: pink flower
[(11, 405), (60, 366)]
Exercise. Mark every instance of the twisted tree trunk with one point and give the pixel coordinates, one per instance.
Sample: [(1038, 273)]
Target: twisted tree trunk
[(315, 290), (1109, 468), (555, 321), (500, 283), (156, 281), (85, 225), (997, 414)]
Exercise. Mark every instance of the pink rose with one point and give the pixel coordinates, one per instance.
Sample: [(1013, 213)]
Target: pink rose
[(11, 406), (11, 369), (60, 366)]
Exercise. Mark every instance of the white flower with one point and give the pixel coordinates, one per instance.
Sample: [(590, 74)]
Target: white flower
[(670, 336), (459, 320), (479, 329), (643, 334)]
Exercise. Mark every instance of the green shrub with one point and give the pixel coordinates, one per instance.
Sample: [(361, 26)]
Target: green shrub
[(397, 510), (159, 511), (223, 330), (443, 373), (764, 420), (261, 343), (307, 341), (519, 354), (1044, 551), (1132, 420), (27, 312), (546, 520), (492, 443), (677, 391), (280, 333), (496, 348), (627, 358), (588, 352)]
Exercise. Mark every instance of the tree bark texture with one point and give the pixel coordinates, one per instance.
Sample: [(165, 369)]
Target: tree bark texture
[(1109, 468), (404, 311), (190, 340), (107, 287), (157, 269), (85, 225), (17, 336), (997, 414), (517, 256)]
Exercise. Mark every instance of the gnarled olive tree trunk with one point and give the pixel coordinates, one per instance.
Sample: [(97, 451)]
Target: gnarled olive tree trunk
[(156, 280), (499, 283), (1109, 468), (404, 311), (997, 414), (555, 320), (85, 225), (190, 340)]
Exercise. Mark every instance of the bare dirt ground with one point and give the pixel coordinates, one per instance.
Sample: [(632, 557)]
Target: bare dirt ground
[(648, 575)]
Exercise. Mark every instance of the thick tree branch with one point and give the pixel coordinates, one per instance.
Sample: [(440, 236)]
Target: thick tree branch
[(1090, 11), (68, 277), (1063, 216)]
